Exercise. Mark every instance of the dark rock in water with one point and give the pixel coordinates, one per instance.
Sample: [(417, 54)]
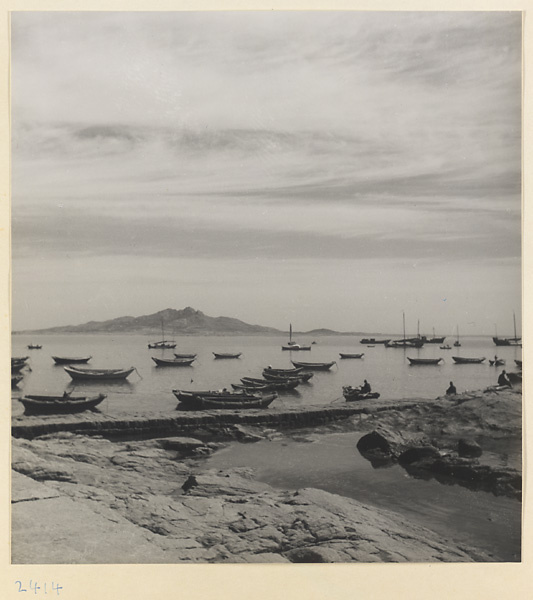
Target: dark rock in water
[(469, 448), (386, 442), (419, 454)]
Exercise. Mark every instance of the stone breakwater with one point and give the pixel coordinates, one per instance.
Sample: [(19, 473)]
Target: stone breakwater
[(181, 422)]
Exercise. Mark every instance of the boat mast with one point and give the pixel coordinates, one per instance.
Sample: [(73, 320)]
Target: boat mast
[(290, 332), (514, 321), (404, 326), (162, 332)]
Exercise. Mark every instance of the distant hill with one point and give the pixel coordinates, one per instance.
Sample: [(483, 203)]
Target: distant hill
[(176, 322)]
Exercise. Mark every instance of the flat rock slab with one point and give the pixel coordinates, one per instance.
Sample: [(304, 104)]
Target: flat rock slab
[(25, 489), (57, 529)]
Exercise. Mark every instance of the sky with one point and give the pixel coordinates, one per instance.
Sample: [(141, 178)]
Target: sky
[(329, 169)]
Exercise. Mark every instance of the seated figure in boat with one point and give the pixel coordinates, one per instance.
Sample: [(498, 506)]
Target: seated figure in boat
[(365, 388), (503, 380), (452, 390)]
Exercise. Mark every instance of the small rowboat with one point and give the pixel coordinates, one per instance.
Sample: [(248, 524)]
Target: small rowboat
[(173, 362), (184, 355), (314, 366), (281, 384), (16, 360), (424, 361), (227, 354), (221, 400), (445, 347), (99, 374), (352, 394), (301, 377), (296, 347), (498, 362), (283, 371), (66, 404), (202, 403), (34, 346), (162, 345), (467, 361), (348, 355), (17, 367), (15, 380), (71, 360)]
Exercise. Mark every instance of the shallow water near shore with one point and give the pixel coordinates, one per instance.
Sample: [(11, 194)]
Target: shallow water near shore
[(332, 462)]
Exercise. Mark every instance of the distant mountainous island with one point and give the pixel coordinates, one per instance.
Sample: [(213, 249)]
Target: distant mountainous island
[(187, 321)]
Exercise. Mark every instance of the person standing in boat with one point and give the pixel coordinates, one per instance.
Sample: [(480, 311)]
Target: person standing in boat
[(452, 390), (503, 380)]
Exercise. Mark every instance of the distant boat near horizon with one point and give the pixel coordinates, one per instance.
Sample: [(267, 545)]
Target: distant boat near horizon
[(514, 341), (162, 344)]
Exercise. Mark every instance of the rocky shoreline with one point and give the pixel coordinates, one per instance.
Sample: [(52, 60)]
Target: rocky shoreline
[(86, 499)]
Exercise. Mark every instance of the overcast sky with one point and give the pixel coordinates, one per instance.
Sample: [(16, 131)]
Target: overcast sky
[(325, 169)]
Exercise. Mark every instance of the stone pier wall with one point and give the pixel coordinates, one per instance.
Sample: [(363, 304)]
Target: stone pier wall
[(185, 422)]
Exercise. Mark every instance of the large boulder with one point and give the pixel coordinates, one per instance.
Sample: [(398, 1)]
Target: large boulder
[(386, 442), (469, 448)]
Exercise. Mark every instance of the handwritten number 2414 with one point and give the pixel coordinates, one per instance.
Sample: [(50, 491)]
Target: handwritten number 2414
[(34, 587)]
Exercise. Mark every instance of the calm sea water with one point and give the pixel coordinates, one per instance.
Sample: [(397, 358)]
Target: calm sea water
[(150, 388)]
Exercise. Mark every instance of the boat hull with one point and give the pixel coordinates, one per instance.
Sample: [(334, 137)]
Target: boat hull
[(47, 405), (173, 362), (226, 355), (65, 360), (348, 355), (314, 366), (424, 361), (99, 374), (459, 360)]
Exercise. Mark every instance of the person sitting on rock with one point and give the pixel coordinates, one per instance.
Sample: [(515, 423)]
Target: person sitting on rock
[(452, 390), (365, 388), (503, 380)]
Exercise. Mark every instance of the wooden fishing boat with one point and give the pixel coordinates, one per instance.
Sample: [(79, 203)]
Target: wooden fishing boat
[(15, 380), (210, 403), (177, 355), (252, 388), (457, 343), (424, 361), (276, 384), (293, 371), (162, 344), (293, 346), (34, 346), (17, 367), (460, 360), (71, 360), (296, 348), (66, 404), (352, 394), (373, 341), (99, 374), (302, 377), (227, 354), (445, 347), (513, 341), (199, 400), (16, 360), (349, 355), (498, 362), (314, 366), (173, 362)]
